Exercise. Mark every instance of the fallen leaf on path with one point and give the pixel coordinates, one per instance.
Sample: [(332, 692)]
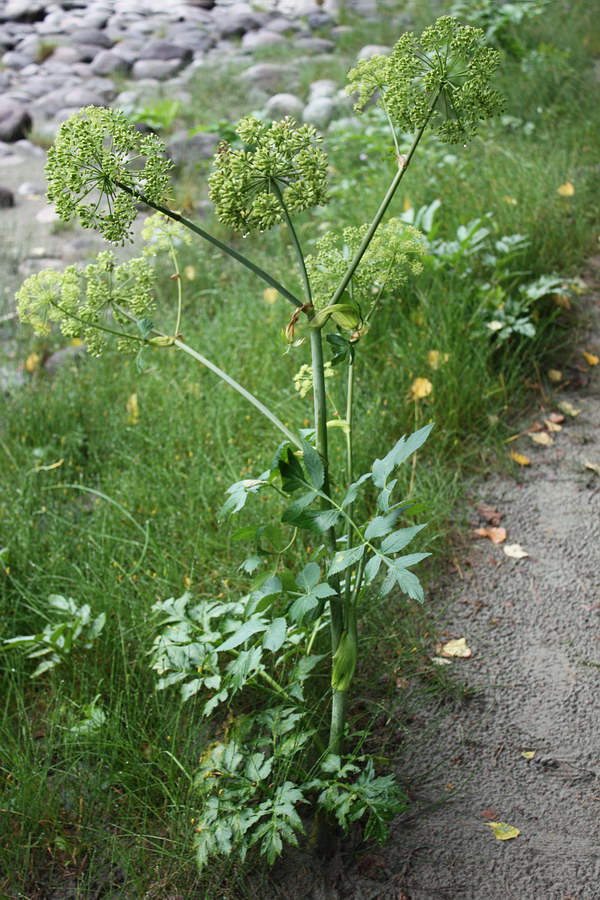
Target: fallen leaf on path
[(543, 439), (519, 458), (420, 388), (552, 426), (594, 467), (566, 189), (496, 535), (502, 831), (490, 514), (557, 418), (456, 649), (591, 359), (528, 754), (439, 661), (515, 551), (490, 813), (568, 408), (555, 375)]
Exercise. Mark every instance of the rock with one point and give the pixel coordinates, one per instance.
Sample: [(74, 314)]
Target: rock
[(10, 379), (81, 96), (107, 62), (183, 149), (194, 39), (7, 198), (160, 69), (92, 37), (270, 76), (33, 265), (165, 51), (68, 55), (324, 87), (257, 40), (370, 50), (280, 105), (15, 60), (314, 45), (25, 11), (63, 357), (320, 20), (282, 25), (29, 189), (202, 4), (47, 216), (80, 248), (15, 121), (236, 24), (319, 112)]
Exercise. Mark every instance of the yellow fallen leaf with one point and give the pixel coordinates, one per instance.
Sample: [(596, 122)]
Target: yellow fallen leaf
[(32, 363), (502, 831), (519, 458), (555, 375), (133, 410), (563, 300), (515, 551), (568, 408), (528, 754), (190, 272), (566, 189), (593, 467), (542, 438), (510, 200), (591, 359), (420, 388), (437, 359), (48, 468), (456, 649), (552, 426), (495, 534), (270, 295)]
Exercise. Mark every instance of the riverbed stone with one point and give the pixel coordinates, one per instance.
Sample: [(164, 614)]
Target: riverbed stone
[(258, 40), (183, 148), (109, 62), (319, 112), (370, 50), (15, 121), (270, 76), (280, 105), (165, 51), (158, 69)]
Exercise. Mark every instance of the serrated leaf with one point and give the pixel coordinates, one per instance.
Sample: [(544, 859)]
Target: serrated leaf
[(275, 635), (372, 568), (245, 631), (190, 688), (314, 466), (399, 539), (381, 525), (403, 448), (309, 577), (345, 559), (352, 492)]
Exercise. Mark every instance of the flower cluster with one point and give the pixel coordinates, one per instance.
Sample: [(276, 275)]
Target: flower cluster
[(303, 379), (98, 166), (91, 303), (279, 164), (394, 253), (445, 74), (162, 233)]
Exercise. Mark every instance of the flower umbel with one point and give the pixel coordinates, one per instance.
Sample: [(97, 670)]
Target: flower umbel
[(394, 253), (279, 162), (445, 74), (97, 158)]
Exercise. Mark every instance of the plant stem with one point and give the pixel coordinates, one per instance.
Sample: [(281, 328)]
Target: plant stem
[(239, 257), (349, 463), (241, 390), (179, 291), (295, 241), (382, 209)]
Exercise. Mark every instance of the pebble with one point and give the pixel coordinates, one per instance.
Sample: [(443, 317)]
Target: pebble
[(7, 198), (280, 105)]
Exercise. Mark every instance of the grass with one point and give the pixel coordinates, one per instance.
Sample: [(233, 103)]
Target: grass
[(115, 807)]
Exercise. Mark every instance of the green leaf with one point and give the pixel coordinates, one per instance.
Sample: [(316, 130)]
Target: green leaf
[(275, 635), (383, 468), (190, 688), (346, 315), (381, 525), (309, 577), (372, 568), (314, 466), (399, 539), (352, 492), (244, 667), (345, 559), (247, 630), (343, 349), (407, 581)]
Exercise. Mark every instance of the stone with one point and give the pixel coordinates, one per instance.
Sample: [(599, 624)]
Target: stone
[(270, 76), (25, 10), (30, 189), (47, 216), (7, 198), (165, 51), (15, 60), (159, 69), (82, 96), (280, 105), (182, 148), (319, 112), (92, 37), (68, 55), (314, 44), (370, 50), (257, 40), (282, 25), (193, 39), (320, 19), (233, 23), (33, 265), (63, 357), (107, 62), (324, 87), (15, 121)]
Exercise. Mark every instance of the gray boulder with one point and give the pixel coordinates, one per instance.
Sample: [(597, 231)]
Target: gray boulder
[(159, 69), (370, 50), (7, 198), (270, 76), (25, 10), (324, 87), (314, 45), (93, 37), (280, 105), (165, 51), (320, 112), (107, 62), (15, 121), (183, 149), (257, 40)]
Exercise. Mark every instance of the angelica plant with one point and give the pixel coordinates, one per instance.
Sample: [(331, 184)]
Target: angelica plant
[(299, 623)]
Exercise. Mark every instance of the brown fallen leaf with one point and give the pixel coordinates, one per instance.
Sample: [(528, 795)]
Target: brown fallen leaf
[(519, 458), (490, 813), (543, 439), (515, 551), (496, 535), (490, 514), (502, 831), (455, 649), (594, 467), (568, 408), (557, 418), (591, 358), (537, 426)]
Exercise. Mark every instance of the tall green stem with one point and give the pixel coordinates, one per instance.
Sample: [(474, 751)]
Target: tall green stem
[(382, 209), (349, 462), (239, 257)]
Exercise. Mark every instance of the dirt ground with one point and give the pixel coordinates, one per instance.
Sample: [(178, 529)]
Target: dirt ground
[(533, 625)]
